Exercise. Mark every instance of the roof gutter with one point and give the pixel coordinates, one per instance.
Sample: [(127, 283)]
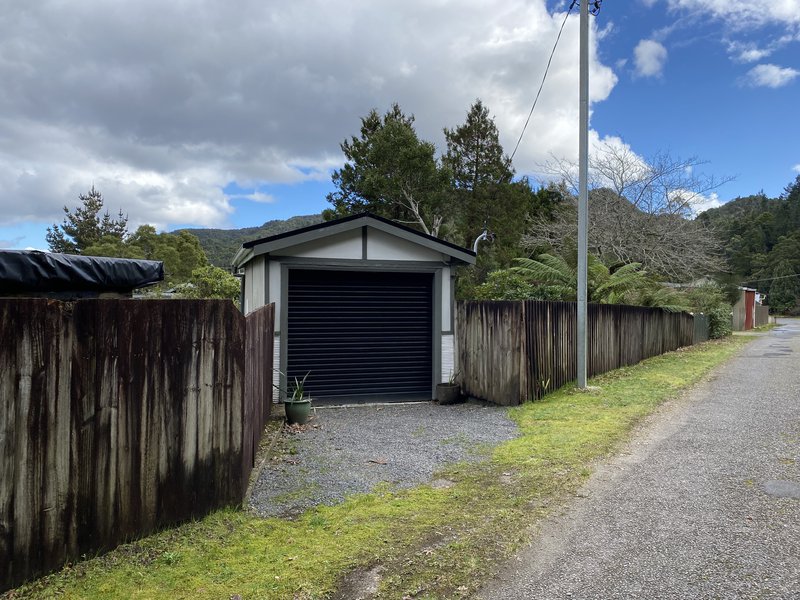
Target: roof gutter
[(242, 256)]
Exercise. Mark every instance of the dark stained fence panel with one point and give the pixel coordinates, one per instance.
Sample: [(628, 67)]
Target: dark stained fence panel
[(118, 417), (702, 328), (510, 352), (258, 390), (361, 333)]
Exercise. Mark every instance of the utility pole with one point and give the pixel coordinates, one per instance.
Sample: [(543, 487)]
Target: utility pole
[(583, 191)]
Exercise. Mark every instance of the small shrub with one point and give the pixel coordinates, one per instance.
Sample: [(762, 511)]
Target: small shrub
[(711, 300), (719, 322), (506, 284)]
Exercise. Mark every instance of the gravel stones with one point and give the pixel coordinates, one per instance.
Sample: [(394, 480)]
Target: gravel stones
[(701, 504), (350, 450)]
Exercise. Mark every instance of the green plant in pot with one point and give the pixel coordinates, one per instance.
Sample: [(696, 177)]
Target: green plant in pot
[(297, 404), (448, 392)]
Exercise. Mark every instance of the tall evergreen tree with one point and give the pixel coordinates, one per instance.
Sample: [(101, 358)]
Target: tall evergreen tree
[(474, 155), (785, 289), (390, 172), (483, 186), (85, 227)]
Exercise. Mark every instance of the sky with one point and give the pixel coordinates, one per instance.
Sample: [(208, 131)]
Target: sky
[(206, 113)]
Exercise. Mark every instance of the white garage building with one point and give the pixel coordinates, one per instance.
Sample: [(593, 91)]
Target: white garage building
[(363, 304)]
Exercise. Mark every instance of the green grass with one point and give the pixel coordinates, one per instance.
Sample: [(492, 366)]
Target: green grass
[(430, 543)]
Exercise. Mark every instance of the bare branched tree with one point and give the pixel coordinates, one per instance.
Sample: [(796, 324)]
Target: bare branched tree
[(640, 211)]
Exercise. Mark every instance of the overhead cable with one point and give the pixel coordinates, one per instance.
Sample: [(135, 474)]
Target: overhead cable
[(594, 8), (544, 77)]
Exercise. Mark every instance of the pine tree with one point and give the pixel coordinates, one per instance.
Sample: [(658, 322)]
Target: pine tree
[(785, 289), (85, 227), (390, 172), (483, 187)]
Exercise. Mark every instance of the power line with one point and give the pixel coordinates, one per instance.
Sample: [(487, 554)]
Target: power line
[(771, 278), (594, 8), (544, 77)]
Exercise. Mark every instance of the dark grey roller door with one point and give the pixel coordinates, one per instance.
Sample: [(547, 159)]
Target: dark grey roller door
[(361, 333)]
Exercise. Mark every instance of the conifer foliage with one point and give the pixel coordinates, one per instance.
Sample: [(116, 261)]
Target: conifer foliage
[(86, 227)]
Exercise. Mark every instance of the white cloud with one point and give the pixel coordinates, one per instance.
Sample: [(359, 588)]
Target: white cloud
[(772, 76), (259, 197), (753, 30), (748, 52), (701, 203), (753, 54), (161, 106), (796, 168), (650, 58), (744, 15)]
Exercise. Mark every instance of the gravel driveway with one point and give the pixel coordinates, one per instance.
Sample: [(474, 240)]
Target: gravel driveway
[(704, 503), (350, 450)]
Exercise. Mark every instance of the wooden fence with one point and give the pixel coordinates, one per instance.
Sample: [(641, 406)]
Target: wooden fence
[(258, 381), (702, 328), (510, 352), (118, 417), (762, 316)]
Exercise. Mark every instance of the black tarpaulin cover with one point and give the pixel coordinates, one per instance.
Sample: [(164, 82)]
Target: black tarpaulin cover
[(35, 271)]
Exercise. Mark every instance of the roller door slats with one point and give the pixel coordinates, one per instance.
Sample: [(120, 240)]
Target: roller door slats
[(379, 355), (318, 368), (361, 333)]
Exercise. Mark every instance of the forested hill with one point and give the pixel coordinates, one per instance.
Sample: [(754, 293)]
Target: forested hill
[(220, 245), (761, 240)]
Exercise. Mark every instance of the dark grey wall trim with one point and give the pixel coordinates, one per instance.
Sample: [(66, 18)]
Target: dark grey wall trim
[(242, 307), (364, 242), (452, 325), (437, 330), (284, 327), (353, 264), (266, 279)]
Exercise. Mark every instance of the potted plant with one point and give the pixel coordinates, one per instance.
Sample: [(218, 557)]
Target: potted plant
[(450, 392), (298, 404)]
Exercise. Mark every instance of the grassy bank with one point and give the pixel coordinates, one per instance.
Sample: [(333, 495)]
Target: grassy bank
[(426, 542)]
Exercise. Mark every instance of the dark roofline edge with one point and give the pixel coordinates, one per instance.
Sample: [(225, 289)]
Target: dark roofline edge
[(324, 224)]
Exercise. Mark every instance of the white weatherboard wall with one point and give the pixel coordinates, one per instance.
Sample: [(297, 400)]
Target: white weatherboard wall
[(384, 246), (254, 285), (276, 373), (345, 245), (448, 356)]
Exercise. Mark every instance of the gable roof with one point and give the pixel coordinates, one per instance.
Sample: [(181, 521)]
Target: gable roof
[(327, 228)]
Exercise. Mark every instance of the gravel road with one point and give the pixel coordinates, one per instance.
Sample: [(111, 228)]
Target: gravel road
[(704, 503), (350, 450)]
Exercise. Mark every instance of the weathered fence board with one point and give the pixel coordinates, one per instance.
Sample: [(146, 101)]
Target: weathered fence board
[(510, 352), (118, 417), (761, 316), (258, 379), (702, 328)]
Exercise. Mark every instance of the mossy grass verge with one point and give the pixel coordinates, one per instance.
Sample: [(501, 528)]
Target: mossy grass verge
[(438, 541)]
